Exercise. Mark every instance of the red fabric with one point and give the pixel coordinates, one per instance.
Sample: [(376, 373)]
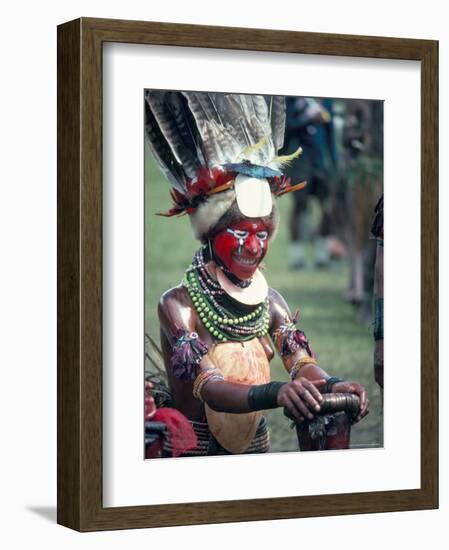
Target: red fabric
[(181, 433)]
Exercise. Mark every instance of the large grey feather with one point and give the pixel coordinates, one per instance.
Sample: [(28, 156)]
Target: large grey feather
[(228, 145), (201, 108), (267, 152), (213, 151), (189, 129), (160, 105), (261, 110), (278, 120), (162, 152), (231, 106)]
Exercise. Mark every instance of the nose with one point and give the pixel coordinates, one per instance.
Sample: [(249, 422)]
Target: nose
[(252, 245)]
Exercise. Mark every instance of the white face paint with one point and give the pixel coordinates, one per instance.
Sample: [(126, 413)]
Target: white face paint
[(241, 237)]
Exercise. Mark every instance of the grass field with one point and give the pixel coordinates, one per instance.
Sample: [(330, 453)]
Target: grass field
[(344, 345)]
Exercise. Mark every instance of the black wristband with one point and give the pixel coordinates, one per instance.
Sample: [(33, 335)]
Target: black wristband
[(330, 382), (264, 396)]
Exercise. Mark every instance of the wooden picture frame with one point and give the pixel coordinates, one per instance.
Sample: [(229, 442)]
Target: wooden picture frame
[(80, 273)]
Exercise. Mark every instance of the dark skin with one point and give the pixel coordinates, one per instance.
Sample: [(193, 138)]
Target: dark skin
[(301, 396)]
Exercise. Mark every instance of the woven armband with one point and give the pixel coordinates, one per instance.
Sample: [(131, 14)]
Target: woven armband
[(264, 396), (187, 354), (289, 339)]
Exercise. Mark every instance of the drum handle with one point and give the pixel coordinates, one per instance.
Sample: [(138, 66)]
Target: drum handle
[(340, 402), (335, 402)]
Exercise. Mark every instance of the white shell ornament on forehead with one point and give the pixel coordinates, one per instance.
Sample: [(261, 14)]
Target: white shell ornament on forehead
[(253, 196)]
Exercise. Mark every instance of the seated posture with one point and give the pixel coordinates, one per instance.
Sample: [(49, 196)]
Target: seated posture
[(220, 325)]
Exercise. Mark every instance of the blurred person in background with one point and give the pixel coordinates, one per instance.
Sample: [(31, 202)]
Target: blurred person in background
[(309, 125), (361, 182)]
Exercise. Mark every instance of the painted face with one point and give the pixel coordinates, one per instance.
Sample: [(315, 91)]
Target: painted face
[(242, 246)]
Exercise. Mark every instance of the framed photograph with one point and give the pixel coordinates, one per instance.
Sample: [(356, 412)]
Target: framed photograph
[(223, 192)]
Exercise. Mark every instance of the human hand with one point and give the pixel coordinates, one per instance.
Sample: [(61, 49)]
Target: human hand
[(357, 389), (150, 406), (301, 397)]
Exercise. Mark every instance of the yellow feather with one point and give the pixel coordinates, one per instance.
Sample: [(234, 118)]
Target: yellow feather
[(252, 148), (286, 159)]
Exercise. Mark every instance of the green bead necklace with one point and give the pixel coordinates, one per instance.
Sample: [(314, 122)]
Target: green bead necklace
[(224, 318)]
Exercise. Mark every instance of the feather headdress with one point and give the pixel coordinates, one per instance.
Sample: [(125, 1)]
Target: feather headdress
[(218, 149)]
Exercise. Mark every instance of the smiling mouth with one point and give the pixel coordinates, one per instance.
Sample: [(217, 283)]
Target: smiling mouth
[(245, 261)]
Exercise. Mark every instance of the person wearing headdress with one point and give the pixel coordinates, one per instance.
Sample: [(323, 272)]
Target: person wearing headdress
[(220, 154)]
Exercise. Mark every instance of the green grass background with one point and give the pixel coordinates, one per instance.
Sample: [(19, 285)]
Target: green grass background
[(343, 344)]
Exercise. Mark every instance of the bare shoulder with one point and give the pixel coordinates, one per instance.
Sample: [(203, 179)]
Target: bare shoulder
[(176, 296), (275, 297), (176, 310), (277, 301), (279, 310)]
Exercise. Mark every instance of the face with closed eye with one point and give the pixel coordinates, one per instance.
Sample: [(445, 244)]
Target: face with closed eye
[(242, 246)]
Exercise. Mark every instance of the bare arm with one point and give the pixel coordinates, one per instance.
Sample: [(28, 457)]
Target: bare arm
[(300, 361), (177, 315), (282, 317)]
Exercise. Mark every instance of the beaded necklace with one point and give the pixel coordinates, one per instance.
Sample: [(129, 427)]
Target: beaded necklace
[(224, 317)]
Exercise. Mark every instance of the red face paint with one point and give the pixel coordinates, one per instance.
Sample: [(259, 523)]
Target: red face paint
[(241, 246)]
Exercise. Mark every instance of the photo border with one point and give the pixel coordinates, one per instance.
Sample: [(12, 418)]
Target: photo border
[(80, 273)]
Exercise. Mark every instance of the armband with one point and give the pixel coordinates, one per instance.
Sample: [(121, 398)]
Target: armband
[(330, 382), (288, 339), (264, 396), (203, 378), (306, 360), (187, 354)]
